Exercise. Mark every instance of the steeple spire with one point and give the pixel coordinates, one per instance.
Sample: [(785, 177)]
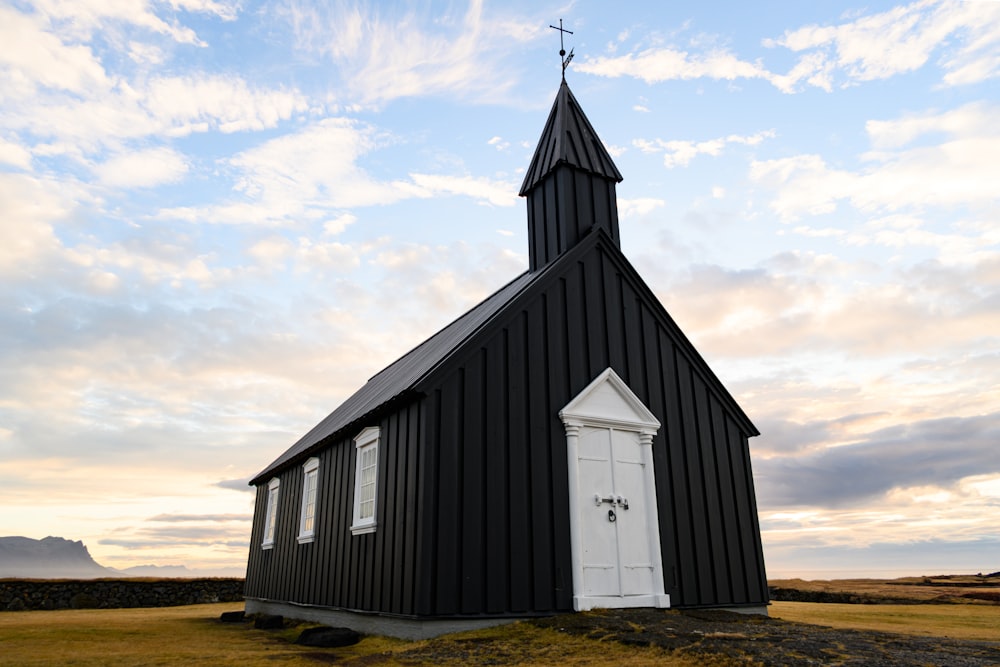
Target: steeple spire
[(570, 184)]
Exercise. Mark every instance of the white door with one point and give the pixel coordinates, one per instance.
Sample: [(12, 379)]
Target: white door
[(614, 524), (614, 517)]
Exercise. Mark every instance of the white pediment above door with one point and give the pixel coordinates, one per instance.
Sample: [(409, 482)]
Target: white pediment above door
[(609, 401)]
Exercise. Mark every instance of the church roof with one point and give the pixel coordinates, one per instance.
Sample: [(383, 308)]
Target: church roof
[(400, 377), (569, 138)]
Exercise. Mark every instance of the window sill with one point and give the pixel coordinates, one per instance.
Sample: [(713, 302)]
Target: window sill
[(267, 545), (305, 539), (363, 528)]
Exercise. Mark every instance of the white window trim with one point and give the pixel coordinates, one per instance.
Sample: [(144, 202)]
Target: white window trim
[(310, 467), (367, 439), (271, 513)]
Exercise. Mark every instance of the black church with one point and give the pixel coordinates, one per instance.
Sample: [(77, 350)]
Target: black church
[(561, 446)]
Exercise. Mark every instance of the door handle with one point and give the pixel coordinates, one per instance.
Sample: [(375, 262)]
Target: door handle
[(611, 500)]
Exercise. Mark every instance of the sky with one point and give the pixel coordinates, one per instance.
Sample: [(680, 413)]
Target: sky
[(219, 218)]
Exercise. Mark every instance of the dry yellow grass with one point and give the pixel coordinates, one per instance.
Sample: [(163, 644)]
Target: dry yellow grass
[(958, 621), (193, 635), (160, 636), (950, 588)]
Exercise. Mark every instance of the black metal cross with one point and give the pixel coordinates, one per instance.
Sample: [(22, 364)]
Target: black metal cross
[(562, 47)]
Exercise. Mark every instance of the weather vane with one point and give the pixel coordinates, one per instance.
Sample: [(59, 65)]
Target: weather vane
[(562, 48)]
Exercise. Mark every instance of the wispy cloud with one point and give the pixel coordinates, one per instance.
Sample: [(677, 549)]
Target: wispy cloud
[(679, 152), (187, 518), (385, 52), (958, 171), (147, 168), (666, 64), (965, 37)]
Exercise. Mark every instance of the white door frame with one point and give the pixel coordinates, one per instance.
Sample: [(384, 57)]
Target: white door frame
[(607, 402)]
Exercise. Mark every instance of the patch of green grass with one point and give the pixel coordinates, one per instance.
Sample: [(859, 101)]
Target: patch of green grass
[(959, 621)]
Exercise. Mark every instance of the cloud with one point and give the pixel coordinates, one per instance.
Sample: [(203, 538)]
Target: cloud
[(958, 171), (163, 108), (214, 518), (57, 86), (879, 558), (385, 53), (496, 193), (80, 19), (35, 57), (196, 103), (29, 207), (666, 64), (338, 224), (971, 120), (817, 304), (628, 208), (499, 143), (966, 35), (317, 172), (929, 487), (310, 174), (680, 152), (148, 168), (241, 484), (14, 154)]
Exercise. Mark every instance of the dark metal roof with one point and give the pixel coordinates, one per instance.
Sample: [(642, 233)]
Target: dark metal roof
[(403, 374), (569, 138)]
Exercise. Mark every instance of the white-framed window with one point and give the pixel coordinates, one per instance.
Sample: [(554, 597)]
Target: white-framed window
[(310, 489), (271, 516), (365, 481)]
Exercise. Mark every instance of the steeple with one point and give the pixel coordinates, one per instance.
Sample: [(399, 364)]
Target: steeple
[(570, 185)]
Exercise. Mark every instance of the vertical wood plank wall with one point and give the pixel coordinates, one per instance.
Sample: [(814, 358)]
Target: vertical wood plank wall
[(374, 571), (500, 514), (563, 208)]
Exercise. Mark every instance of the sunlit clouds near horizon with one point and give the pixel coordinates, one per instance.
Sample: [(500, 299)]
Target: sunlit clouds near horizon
[(218, 219)]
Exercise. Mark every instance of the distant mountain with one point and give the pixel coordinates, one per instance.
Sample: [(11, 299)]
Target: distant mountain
[(48, 558), (158, 571), (177, 572), (58, 558)]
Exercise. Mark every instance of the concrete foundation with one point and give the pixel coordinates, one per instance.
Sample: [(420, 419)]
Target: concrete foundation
[(393, 626), (373, 624)]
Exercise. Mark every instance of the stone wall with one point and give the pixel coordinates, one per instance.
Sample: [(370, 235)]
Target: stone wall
[(27, 594)]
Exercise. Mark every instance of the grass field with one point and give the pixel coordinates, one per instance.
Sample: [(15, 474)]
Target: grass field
[(193, 635), (961, 589), (958, 621)]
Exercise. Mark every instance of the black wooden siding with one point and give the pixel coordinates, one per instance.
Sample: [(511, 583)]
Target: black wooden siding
[(497, 506), (374, 571), (473, 508), (563, 208)]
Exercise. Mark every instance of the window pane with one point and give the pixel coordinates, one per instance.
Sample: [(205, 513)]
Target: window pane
[(366, 478), (366, 492), (309, 502), (272, 511)]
